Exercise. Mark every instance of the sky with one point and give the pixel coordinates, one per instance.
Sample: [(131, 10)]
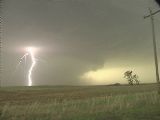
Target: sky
[(79, 42)]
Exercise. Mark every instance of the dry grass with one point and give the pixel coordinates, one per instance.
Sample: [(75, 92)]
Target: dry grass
[(80, 103)]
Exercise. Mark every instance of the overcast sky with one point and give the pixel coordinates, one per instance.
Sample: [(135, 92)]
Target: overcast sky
[(80, 42)]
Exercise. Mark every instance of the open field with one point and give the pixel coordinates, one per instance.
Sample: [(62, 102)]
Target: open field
[(80, 103)]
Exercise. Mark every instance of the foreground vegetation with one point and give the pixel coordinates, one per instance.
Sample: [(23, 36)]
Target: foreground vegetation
[(80, 103)]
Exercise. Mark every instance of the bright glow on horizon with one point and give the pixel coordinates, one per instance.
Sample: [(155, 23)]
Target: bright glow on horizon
[(111, 74), (104, 76)]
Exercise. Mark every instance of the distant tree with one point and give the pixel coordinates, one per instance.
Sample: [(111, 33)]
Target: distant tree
[(135, 79), (128, 76), (132, 79)]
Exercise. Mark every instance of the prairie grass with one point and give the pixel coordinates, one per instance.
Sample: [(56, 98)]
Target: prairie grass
[(123, 103)]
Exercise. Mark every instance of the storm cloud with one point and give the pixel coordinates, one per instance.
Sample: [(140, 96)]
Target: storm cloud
[(76, 37)]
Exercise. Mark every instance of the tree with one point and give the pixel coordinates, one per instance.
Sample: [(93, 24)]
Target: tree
[(131, 78), (135, 79), (128, 76)]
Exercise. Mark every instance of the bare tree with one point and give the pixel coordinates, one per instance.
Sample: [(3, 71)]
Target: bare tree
[(128, 76), (131, 78), (135, 78)]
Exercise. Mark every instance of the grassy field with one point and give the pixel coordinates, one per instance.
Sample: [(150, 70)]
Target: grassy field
[(80, 103)]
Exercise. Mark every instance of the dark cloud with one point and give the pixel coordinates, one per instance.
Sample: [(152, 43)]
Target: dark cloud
[(76, 36), (158, 1)]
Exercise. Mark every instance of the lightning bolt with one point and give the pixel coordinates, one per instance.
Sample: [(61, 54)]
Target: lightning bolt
[(33, 59), (23, 57), (30, 51), (21, 60)]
